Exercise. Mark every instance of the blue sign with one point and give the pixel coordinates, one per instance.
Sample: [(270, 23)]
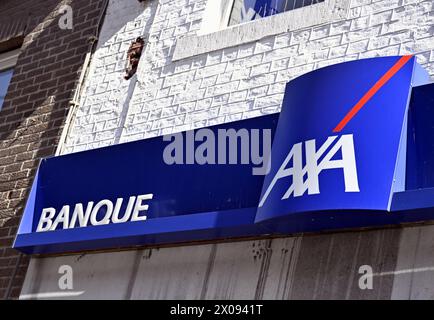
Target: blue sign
[(337, 147), (338, 160)]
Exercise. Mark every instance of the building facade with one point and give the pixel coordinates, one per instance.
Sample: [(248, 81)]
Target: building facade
[(202, 63), (40, 65)]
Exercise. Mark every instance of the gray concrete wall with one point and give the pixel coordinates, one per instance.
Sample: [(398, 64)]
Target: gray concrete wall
[(306, 267)]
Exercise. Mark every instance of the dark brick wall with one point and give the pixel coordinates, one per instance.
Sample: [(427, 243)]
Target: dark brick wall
[(35, 109)]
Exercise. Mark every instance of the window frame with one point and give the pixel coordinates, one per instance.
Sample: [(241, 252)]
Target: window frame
[(8, 61), (215, 34)]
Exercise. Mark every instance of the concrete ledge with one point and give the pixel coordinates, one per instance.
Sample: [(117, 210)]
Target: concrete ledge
[(324, 12)]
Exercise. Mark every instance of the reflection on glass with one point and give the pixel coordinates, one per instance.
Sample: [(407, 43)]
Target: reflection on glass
[(5, 78), (248, 10)]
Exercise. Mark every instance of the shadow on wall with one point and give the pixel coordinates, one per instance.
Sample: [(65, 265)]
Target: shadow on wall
[(107, 95), (37, 101)]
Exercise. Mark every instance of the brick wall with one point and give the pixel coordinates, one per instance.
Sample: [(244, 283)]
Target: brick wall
[(35, 108), (234, 83)]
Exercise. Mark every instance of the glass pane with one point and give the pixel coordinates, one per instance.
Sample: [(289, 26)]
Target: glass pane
[(248, 10), (5, 78)]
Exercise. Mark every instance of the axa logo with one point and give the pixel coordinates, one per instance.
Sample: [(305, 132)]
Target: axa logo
[(306, 178)]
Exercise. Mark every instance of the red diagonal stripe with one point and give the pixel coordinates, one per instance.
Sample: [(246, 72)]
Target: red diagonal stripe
[(368, 95)]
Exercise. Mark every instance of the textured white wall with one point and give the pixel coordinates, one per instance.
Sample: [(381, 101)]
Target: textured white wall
[(230, 84)]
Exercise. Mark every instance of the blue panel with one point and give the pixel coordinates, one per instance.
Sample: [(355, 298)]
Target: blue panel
[(183, 228), (255, 9), (411, 199), (137, 168), (191, 202), (375, 129)]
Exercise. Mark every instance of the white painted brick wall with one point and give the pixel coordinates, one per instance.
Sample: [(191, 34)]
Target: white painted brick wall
[(229, 84)]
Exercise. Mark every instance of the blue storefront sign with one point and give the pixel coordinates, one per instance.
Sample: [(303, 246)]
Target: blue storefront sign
[(341, 157)]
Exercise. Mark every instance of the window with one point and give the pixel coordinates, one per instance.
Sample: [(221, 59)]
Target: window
[(5, 78), (248, 10), (7, 62)]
